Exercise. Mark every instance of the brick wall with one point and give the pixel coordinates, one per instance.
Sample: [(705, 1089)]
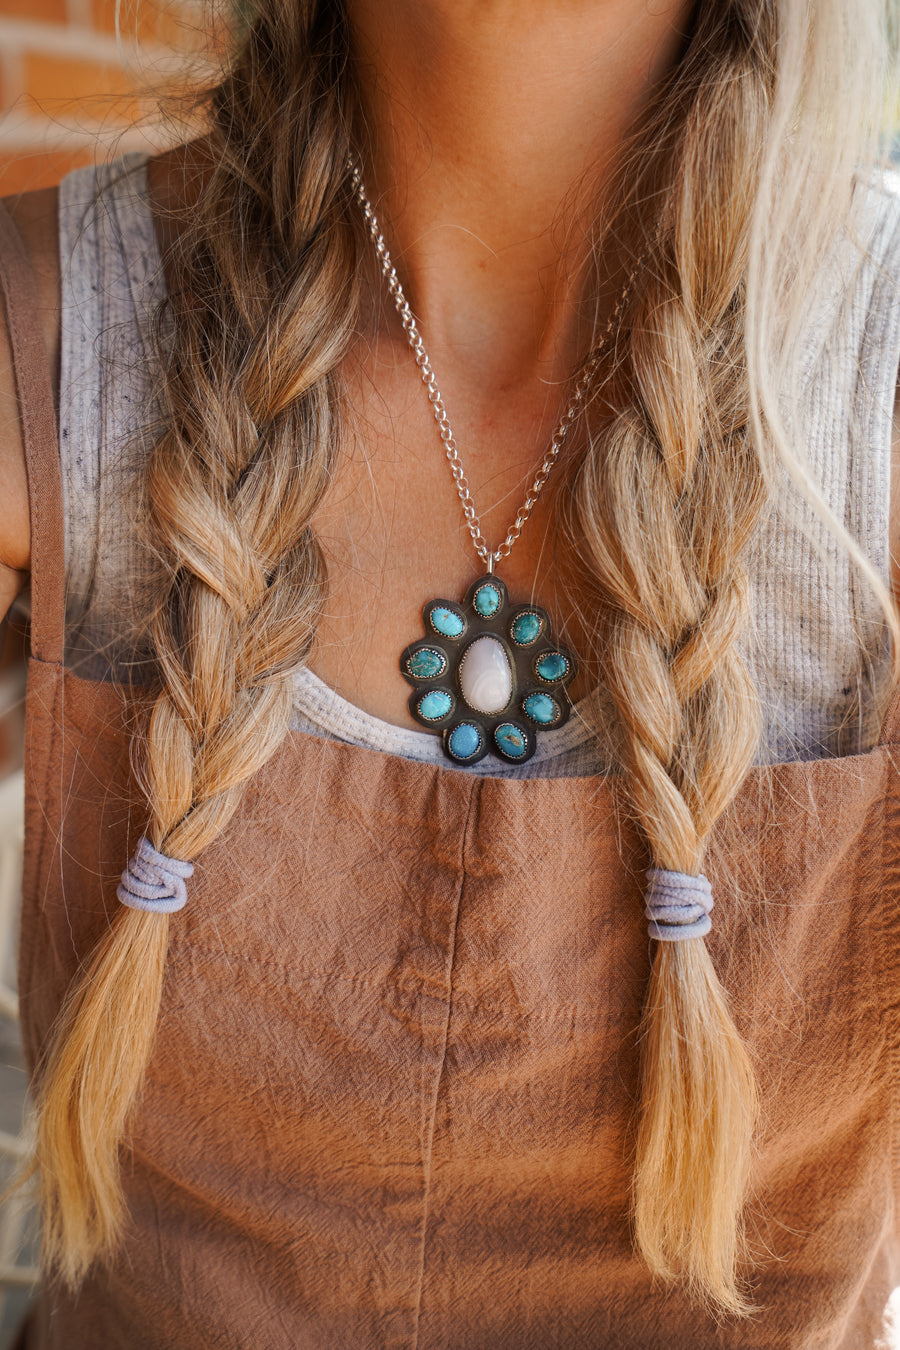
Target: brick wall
[(72, 90)]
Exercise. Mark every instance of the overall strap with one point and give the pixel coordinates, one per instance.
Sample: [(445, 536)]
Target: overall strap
[(890, 727), (38, 421)]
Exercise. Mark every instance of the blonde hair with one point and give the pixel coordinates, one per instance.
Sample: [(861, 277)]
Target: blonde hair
[(739, 176)]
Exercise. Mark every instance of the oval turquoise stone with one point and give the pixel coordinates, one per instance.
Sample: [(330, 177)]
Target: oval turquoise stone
[(553, 666), (541, 708), (435, 705), (511, 740), (426, 664), (487, 601), (526, 628), (465, 741), (444, 621)]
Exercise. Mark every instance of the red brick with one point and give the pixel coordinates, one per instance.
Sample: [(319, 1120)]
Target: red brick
[(95, 90), (104, 14), (9, 81), (163, 22), (27, 172), (44, 11)]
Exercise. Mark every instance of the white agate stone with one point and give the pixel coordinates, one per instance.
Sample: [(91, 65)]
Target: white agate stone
[(485, 677)]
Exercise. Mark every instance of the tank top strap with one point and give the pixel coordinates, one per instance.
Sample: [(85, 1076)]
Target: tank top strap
[(38, 421), (890, 727)]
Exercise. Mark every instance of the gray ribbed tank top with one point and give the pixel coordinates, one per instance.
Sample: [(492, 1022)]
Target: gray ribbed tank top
[(816, 647)]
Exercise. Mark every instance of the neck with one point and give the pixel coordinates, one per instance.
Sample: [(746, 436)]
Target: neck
[(489, 128)]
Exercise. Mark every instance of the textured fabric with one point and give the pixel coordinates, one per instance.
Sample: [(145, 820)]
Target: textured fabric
[(391, 1100), (818, 688), (581, 746), (111, 283)]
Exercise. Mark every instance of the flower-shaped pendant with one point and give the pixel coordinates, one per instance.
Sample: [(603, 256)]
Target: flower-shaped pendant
[(488, 675)]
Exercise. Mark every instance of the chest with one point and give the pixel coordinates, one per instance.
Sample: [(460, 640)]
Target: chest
[(394, 534)]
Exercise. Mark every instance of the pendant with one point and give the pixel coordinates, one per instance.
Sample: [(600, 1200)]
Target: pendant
[(488, 675)]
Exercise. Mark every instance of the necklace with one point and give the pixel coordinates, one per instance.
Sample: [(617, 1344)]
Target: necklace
[(488, 675)]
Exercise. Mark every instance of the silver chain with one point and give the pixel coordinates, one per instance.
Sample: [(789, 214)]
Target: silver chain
[(573, 407)]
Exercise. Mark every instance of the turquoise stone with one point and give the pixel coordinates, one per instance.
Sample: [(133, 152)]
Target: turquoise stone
[(465, 741), (426, 664), (541, 708), (435, 705), (526, 628), (552, 666), (511, 740), (447, 623), (487, 600)]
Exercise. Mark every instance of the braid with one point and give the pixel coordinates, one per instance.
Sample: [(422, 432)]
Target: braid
[(264, 307), (664, 507)]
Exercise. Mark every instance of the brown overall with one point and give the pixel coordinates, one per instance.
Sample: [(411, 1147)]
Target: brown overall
[(392, 1095)]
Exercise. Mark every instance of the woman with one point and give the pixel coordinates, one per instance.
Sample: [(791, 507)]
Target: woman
[(405, 1070)]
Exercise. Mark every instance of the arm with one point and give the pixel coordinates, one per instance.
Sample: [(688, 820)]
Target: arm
[(35, 215)]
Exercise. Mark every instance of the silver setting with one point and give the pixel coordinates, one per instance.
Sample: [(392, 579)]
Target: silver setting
[(524, 613), (479, 751), (441, 717), (433, 651), (455, 610), (475, 707), (555, 679), (542, 726)]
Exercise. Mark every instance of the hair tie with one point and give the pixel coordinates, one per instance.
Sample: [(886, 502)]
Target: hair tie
[(677, 905), (153, 881)]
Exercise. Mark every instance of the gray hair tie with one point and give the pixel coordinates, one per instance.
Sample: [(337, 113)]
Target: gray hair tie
[(153, 881), (677, 905)]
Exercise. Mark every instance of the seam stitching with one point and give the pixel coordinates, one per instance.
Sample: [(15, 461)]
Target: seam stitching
[(451, 962)]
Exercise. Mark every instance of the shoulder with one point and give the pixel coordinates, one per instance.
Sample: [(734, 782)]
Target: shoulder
[(34, 215), (174, 180), (876, 221), (870, 320)]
